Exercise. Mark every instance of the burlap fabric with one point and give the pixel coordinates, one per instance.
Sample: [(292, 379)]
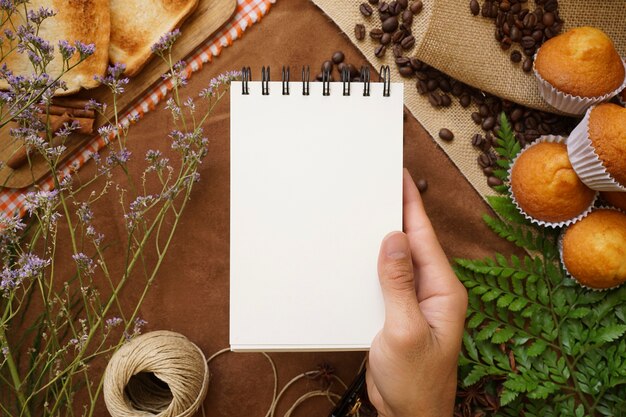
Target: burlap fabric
[(450, 39)]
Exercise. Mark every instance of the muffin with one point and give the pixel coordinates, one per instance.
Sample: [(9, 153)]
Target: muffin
[(593, 250), (597, 147), (579, 68), (545, 187), (615, 198)]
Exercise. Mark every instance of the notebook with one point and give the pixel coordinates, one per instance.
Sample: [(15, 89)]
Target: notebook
[(316, 183)]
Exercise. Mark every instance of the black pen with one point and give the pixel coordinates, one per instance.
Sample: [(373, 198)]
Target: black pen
[(351, 401)]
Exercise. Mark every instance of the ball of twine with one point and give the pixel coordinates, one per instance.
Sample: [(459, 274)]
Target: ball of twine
[(159, 373)]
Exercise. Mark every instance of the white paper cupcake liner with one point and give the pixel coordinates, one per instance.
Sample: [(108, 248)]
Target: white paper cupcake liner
[(554, 225), (568, 103), (586, 162), (569, 274)]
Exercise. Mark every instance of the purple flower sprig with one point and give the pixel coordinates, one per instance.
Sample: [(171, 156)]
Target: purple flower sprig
[(165, 42), (114, 79)]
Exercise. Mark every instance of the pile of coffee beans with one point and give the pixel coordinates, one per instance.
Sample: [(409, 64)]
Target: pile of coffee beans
[(337, 61), (440, 89), (394, 30), (517, 25)]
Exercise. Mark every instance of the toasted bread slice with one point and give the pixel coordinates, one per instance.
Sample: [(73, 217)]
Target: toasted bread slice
[(87, 21), (136, 25)]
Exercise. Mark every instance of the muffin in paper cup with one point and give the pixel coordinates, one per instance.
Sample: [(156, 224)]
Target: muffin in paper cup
[(552, 196), (568, 103), (586, 161), (594, 258)]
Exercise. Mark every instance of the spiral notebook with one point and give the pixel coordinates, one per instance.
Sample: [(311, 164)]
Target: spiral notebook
[(316, 183)]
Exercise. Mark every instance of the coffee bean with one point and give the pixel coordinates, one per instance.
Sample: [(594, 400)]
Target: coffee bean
[(465, 101), (385, 39), (402, 61), (373, 2), (338, 57), (516, 114), (527, 66), (537, 36), (366, 9), (380, 51), (551, 5), (376, 33), (528, 42), (353, 71), (406, 71), (383, 7), (489, 123), (408, 42), (416, 64), (484, 161), (394, 8), (505, 6), (478, 140), (434, 99), (432, 85), (359, 31), (494, 181), (476, 117), (515, 34), (390, 24), (446, 101), (422, 185), (516, 56), (403, 4), (474, 7), (446, 134), (397, 51), (417, 7), (327, 66), (421, 87), (407, 17), (484, 111), (398, 36)]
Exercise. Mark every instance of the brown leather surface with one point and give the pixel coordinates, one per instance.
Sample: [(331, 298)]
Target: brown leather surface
[(190, 295)]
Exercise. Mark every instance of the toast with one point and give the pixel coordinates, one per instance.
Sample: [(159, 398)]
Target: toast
[(87, 21), (136, 25)]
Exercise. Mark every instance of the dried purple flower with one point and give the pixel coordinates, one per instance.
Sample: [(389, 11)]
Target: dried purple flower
[(85, 50), (165, 42)]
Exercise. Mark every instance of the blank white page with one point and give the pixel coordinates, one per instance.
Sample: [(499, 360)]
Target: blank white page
[(316, 183)]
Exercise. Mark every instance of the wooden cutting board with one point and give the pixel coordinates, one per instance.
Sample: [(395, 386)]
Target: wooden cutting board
[(208, 18)]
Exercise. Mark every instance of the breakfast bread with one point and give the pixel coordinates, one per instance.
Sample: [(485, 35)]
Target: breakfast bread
[(594, 249), (582, 62), (87, 21), (607, 132), (136, 25), (545, 186)]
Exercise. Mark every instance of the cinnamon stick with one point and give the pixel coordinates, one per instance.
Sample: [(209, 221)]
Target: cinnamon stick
[(73, 112)]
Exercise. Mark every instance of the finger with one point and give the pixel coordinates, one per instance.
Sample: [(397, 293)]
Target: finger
[(395, 272), (434, 275)]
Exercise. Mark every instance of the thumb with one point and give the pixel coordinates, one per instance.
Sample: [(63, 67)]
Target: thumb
[(395, 271)]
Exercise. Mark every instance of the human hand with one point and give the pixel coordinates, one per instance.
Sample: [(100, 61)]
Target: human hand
[(412, 364)]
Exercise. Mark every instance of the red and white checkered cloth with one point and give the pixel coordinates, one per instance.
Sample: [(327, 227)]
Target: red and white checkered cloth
[(248, 12)]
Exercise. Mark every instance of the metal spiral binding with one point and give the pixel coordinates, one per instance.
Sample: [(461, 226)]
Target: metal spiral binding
[(385, 77), (326, 82), (345, 79), (246, 75), (306, 80), (265, 81), (365, 78), (286, 72)]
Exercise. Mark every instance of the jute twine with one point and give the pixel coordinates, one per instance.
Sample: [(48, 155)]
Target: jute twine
[(450, 39), (159, 373)]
